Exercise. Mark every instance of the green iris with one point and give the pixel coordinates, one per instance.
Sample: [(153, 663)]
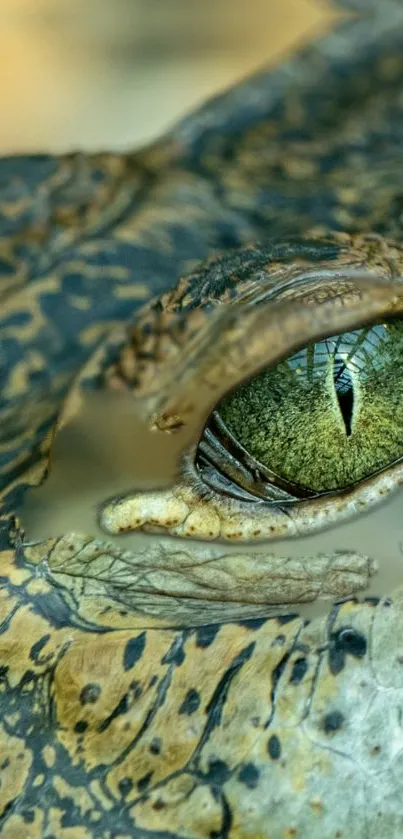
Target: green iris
[(328, 416)]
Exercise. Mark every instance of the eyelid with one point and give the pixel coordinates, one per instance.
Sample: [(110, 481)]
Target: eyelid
[(242, 341), (192, 509)]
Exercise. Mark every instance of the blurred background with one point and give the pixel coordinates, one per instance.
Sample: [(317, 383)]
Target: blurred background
[(116, 73)]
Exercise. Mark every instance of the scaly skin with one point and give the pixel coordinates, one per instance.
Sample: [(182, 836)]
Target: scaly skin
[(170, 693)]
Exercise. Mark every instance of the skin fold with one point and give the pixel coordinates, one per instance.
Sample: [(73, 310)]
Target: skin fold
[(156, 679)]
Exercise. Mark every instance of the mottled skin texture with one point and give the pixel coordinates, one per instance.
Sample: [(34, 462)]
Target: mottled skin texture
[(124, 711)]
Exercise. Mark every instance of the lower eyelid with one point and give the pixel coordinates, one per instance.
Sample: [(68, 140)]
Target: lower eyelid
[(187, 510)]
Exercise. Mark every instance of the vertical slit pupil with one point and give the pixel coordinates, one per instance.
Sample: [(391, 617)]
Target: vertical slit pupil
[(345, 393), (346, 402)]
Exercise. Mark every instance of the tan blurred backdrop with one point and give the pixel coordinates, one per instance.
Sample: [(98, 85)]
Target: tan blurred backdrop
[(115, 73), (99, 73)]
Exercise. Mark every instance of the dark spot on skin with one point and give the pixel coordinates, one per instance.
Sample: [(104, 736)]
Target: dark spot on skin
[(7, 808), (29, 816), (121, 708), (143, 782), (274, 747), (277, 673), (332, 722), (282, 619), (159, 804), (353, 642), (53, 608), (218, 773), (153, 681), (278, 641), (226, 822), (176, 654), (253, 623), (90, 693), (80, 726), (155, 746), (27, 678), (17, 318), (136, 689), (125, 785), (205, 635), (249, 776), (216, 704), (134, 650), (37, 648), (346, 641), (299, 670), (6, 268), (191, 702)]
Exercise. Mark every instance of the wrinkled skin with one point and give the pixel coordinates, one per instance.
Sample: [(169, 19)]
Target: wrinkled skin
[(170, 693)]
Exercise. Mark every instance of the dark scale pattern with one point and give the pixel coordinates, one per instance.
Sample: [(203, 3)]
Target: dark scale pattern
[(249, 775), (346, 641), (190, 703), (133, 651), (274, 747), (121, 717), (299, 670), (332, 722), (206, 635), (90, 693)]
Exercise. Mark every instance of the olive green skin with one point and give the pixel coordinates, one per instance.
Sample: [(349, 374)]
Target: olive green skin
[(113, 725)]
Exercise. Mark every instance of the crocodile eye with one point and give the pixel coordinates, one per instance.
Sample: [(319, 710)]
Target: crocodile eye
[(287, 406), (321, 421)]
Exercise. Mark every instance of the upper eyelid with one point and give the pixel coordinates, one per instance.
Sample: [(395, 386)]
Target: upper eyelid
[(227, 361)]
